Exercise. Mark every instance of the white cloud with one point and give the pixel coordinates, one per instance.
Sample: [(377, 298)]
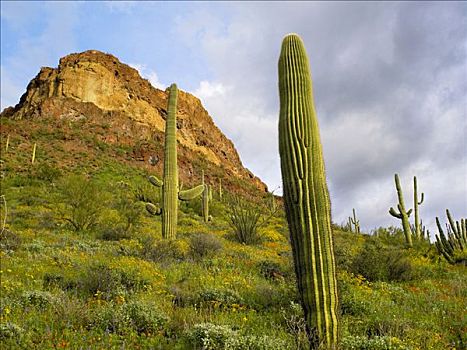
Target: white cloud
[(148, 74), (207, 90)]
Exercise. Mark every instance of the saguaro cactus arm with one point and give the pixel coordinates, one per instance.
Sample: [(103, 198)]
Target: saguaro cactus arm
[(306, 195), (153, 209), (155, 181), (187, 195)]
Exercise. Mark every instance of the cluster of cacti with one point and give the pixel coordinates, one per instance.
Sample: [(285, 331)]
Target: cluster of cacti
[(207, 197), (306, 196), (452, 246), (402, 214), (354, 222), (171, 192)]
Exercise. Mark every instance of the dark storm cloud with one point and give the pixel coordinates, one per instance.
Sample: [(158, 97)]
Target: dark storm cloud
[(389, 83)]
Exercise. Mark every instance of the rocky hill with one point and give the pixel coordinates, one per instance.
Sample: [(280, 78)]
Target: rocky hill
[(97, 91)]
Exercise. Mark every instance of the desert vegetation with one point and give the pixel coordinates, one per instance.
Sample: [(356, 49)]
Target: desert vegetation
[(87, 263)]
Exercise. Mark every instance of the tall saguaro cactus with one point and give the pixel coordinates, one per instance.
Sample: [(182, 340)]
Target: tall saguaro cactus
[(355, 221), (416, 203), (170, 189), (306, 196), (206, 198), (402, 214)]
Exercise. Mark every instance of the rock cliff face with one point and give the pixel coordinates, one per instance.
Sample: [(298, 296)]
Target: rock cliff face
[(97, 87)]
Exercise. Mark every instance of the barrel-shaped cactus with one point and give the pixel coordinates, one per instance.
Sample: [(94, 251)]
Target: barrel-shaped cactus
[(403, 214), (306, 196), (170, 189)]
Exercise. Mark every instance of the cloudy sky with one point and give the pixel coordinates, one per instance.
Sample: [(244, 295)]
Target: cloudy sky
[(390, 82)]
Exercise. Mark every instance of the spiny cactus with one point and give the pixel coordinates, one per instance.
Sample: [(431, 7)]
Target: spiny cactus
[(454, 246), (402, 214), (220, 189), (306, 196), (170, 189), (33, 158), (355, 222), (416, 203)]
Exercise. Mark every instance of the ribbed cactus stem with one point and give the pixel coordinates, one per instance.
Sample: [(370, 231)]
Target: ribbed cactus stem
[(7, 143), (170, 182), (416, 203), (306, 196), (220, 189), (205, 200), (33, 158), (402, 214), (355, 222)]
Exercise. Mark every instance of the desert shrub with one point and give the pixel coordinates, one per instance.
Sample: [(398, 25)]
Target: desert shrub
[(208, 336), (377, 262), (246, 218), (271, 270), (46, 172), (10, 330), (9, 241), (137, 316), (294, 321), (265, 296), (51, 280), (218, 298), (376, 343), (37, 298), (165, 251), (83, 202), (203, 245)]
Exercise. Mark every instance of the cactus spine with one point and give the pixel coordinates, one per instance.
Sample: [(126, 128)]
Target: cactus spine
[(416, 203), (170, 190), (306, 196), (33, 158), (355, 222), (402, 214)]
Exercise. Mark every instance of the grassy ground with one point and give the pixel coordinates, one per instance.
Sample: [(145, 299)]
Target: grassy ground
[(109, 287)]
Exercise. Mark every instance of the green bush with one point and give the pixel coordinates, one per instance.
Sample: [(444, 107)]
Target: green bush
[(47, 172), (10, 330), (38, 298), (376, 343), (204, 245), (208, 336), (377, 262), (165, 251), (83, 202), (218, 298), (9, 241)]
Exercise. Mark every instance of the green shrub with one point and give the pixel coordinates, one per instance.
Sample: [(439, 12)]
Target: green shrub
[(9, 241), (218, 298), (38, 298), (204, 245), (83, 202), (208, 336), (376, 343), (271, 270), (10, 330), (165, 251), (47, 172), (377, 262)]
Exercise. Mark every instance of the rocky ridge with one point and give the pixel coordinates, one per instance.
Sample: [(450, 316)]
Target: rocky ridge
[(95, 86)]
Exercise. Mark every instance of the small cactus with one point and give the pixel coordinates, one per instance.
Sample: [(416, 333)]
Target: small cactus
[(402, 214), (33, 158), (7, 144), (220, 189)]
